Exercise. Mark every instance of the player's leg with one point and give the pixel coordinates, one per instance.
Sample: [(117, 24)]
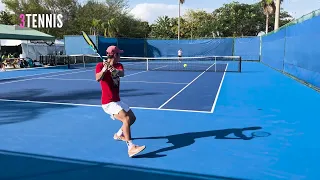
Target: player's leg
[(131, 118), (124, 117), (123, 113), (126, 120), (113, 108)]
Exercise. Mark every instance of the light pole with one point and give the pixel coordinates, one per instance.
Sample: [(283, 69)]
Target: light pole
[(276, 21), (180, 2), (179, 21)]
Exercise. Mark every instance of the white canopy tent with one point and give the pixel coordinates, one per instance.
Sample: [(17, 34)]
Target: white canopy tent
[(34, 49)]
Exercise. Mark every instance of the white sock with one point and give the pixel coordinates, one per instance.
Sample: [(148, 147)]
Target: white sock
[(119, 133), (129, 144)]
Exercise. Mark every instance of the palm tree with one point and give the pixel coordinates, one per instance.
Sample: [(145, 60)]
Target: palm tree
[(164, 27), (95, 25), (104, 27), (269, 8), (180, 2), (113, 28)]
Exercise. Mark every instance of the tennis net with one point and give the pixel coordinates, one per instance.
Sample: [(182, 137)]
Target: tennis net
[(202, 63)]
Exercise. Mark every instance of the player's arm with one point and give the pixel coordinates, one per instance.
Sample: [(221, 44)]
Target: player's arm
[(99, 76), (118, 72), (100, 71), (121, 72)]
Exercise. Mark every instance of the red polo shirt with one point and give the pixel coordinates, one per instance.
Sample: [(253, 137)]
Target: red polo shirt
[(110, 92)]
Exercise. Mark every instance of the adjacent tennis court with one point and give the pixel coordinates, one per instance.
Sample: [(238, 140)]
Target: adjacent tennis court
[(195, 124), (140, 89)]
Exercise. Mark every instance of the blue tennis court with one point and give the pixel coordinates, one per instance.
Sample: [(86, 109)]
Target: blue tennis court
[(196, 125), (140, 89)]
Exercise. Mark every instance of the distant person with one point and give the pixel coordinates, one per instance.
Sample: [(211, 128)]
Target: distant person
[(4, 56), (30, 62), (1, 64), (36, 63), (3, 61), (10, 55), (179, 54)]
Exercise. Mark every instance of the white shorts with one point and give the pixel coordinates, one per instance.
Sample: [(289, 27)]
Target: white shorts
[(113, 108)]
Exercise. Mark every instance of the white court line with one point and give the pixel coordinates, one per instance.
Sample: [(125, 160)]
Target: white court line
[(42, 67), (90, 105), (185, 87), (217, 96), (43, 77), (134, 74), (151, 82), (58, 72), (67, 74), (142, 71), (44, 102), (159, 67), (65, 79), (36, 74), (26, 69), (178, 110)]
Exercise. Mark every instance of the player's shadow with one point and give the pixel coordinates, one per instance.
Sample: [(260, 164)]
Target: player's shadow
[(16, 112), (187, 139), (9, 80)]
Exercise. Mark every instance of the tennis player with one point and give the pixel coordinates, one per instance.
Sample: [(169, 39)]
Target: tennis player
[(180, 54), (109, 78)]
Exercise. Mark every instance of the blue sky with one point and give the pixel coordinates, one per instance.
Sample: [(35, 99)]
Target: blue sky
[(149, 10)]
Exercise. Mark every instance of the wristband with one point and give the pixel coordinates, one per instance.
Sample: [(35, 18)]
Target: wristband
[(104, 69)]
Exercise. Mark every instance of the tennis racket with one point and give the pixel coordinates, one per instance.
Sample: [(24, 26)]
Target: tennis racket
[(91, 44), (94, 47)]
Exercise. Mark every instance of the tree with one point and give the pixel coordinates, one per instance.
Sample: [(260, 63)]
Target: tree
[(163, 28), (6, 18), (110, 17), (67, 8), (230, 20), (198, 24), (269, 8), (235, 19), (104, 27), (95, 25)]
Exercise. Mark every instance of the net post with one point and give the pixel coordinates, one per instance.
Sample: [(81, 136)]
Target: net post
[(240, 62), (215, 64), (55, 60), (68, 62), (84, 64), (147, 64)]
